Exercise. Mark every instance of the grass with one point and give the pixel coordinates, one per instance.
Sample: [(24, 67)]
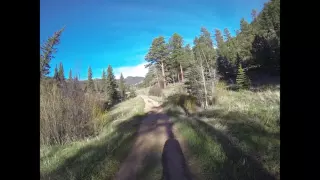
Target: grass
[(152, 167), (238, 138), (169, 90), (99, 157)]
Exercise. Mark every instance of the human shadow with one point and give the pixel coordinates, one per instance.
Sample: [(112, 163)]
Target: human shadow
[(173, 161)]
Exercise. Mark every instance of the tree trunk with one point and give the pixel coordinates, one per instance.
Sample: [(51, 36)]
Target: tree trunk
[(213, 82), (157, 77), (164, 78), (182, 78), (178, 77), (212, 73), (204, 85)]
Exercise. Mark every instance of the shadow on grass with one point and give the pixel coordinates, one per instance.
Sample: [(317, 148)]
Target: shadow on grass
[(100, 159), (173, 162), (262, 147)]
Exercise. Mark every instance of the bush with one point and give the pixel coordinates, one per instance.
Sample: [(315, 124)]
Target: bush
[(66, 114), (155, 91), (187, 102), (132, 93), (190, 103)]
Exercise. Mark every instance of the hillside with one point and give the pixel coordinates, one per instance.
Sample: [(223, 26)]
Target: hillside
[(132, 80)]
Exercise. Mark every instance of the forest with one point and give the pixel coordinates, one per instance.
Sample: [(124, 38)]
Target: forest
[(240, 60)]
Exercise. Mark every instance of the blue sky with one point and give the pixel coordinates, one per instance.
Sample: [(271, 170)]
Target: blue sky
[(119, 32)]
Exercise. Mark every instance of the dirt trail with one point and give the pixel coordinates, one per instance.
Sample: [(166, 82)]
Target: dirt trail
[(154, 131)]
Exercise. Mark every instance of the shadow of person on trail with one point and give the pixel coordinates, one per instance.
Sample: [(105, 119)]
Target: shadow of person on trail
[(173, 161)]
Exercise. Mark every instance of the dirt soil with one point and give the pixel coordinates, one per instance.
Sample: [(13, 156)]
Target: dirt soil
[(156, 134)]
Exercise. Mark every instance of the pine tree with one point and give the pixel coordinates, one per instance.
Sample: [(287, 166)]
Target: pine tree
[(46, 52), (254, 14), (70, 75), (56, 76), (76, 85), (227, 34), (176, 61), (242, 80), (158, 54), (230, 47), (122, 87), (222, 48), (103, 81), (61, 72), (111, 86), (90, 86)]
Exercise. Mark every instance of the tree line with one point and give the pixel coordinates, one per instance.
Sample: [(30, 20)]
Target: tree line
[(255, 48), (114, 90)]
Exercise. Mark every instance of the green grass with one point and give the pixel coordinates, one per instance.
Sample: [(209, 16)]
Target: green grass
[(238, 138), (99, 157), (152, 167)]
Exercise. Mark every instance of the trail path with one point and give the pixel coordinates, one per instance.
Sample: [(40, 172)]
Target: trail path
[(153, 133)]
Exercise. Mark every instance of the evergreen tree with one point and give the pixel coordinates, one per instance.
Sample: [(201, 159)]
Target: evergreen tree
[(205, 48), (103, 80), (230, 45), (222, 48), (158, 54), (70, 75), (90, 86), (254, 14), (46, 52), (151, 76), (227, 34), (176, 62), (76, 85), (111, 86), (237, 32), (246, 38), (218, 38), (122, 87), (61, 72), (56, 75), (243, 82)]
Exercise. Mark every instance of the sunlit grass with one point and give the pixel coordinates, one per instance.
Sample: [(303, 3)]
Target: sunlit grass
[(237, 138)]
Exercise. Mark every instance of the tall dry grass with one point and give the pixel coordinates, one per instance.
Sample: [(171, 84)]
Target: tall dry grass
[(66, 114)]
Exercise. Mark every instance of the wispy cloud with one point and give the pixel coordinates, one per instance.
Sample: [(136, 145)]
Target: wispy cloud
[(138, 70)]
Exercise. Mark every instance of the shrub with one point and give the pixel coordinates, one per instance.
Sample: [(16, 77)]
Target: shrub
[(187, 102), (66, 114), (190, 103), (155, 91)]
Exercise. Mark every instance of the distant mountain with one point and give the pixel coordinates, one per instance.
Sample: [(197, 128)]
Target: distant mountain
[(131, 80)]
